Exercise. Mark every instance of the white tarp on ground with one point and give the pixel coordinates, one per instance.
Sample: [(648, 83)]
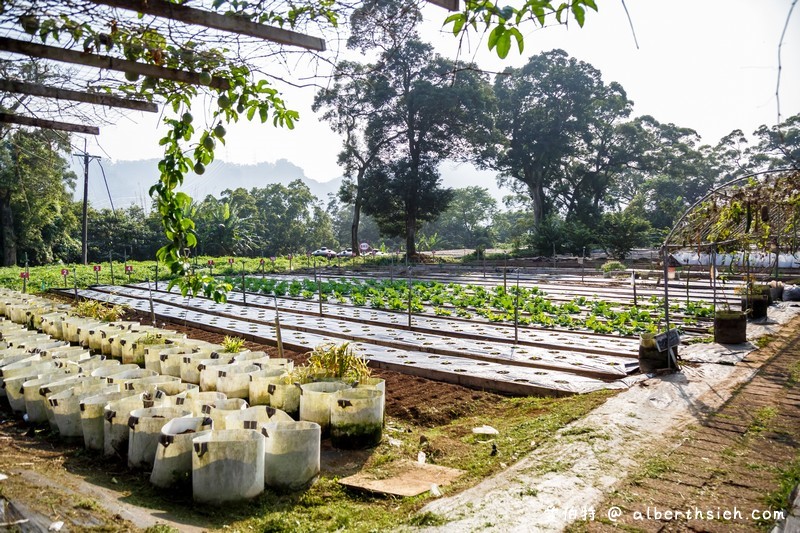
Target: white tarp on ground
[(756, 259)]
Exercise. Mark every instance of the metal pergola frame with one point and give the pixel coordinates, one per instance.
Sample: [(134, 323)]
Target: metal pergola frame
[(701, 228)]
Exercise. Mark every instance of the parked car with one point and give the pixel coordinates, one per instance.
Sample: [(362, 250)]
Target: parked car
[(347, 252), (324, 252)]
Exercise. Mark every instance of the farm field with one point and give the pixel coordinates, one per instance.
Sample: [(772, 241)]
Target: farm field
[(461, 333), (418, 363)]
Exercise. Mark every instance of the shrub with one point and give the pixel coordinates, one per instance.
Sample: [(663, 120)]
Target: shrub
[(612, 266)]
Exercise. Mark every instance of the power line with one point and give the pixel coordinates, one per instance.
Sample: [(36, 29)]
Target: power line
[(110, 200)]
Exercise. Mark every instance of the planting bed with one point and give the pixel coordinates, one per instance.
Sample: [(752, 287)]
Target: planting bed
[(563, 303), (492, 373), (460, 332)]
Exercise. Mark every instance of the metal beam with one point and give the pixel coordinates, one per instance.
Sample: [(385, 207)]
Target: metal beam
[(233, 24), (107, 62), (9, 118), (450, 5), (36, 89)]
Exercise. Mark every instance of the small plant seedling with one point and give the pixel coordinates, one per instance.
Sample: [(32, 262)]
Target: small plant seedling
[(232, 344)]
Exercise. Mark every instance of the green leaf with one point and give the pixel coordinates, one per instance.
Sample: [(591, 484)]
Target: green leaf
[(251, 112), (504, 44), (458, 20), (495, 36), (560, 12), (579, 13), (518, 36)]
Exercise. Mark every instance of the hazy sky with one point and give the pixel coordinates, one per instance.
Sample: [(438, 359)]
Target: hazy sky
[(710, 65)]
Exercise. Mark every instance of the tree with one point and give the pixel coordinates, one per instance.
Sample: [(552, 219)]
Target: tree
[(223, 228), (466, 223), (125, 233), (779, 146), (672, 170), (35, 198), (559, 125), (350, 108), (341, 216), (622, 231), (289, 218), (431, 111)]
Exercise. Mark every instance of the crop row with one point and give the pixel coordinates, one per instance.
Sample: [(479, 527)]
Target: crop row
[(531, 305)]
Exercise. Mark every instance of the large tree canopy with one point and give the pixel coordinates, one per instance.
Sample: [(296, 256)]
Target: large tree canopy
[(400, 117), (559, 139)]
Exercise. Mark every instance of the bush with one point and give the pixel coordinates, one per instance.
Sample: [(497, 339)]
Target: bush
[(612, 266)]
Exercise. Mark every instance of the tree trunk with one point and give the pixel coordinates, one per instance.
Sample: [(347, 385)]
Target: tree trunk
[(534, 180), (357, 213), (411, 234), (537, 195), (7, 237)]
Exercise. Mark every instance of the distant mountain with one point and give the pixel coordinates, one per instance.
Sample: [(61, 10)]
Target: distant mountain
[(129, 181)]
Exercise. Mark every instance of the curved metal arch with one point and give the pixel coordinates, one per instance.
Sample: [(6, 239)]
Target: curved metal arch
[(714, 191)]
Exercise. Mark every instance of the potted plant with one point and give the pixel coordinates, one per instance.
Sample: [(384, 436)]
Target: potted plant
[(730, 326), (755, 298), (650, 359)]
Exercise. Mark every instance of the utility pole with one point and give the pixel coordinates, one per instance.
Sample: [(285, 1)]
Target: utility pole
[(85, 232)]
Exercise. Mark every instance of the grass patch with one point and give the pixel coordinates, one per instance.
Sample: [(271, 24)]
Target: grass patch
[(87, 504), (161, 528), (788, 479), (427, 519), (765, 340), (761, 420), (794, 375), (653, 468)]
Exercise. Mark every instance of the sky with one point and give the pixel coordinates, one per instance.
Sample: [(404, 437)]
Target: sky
[(710, 65)]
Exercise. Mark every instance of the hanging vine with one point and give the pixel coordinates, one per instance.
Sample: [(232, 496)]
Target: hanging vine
[(186, 148)]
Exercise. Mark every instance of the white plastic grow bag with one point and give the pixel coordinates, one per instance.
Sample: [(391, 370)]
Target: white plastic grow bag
[(255, 417), (173, 460), (356, 418), (291, 454), (220, 409), (92, 418), (258, 393), (144, 430), (234, 380), (227, 465), (316, 400)]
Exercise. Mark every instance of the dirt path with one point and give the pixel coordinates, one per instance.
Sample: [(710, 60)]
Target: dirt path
[(719, 475), (557, 483)]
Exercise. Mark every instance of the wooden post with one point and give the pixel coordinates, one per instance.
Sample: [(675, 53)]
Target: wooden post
[(410, 289), (111, 267), (319, 294), (64, 55), (278, 339), (516, 311), (244, 287), (35, 89)]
